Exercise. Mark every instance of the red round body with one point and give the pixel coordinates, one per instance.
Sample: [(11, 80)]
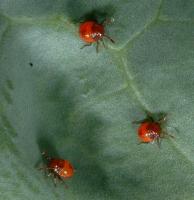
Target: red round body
[(149, 131), (62, 167), (91, 31)]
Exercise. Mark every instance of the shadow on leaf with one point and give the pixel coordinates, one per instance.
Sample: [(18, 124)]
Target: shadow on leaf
[(72, 134), (77, 12)]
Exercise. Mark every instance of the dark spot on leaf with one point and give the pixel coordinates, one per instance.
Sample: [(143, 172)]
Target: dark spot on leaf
[(31, 64)]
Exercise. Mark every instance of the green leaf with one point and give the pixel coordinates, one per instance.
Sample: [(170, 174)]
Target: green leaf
[(80, 105)]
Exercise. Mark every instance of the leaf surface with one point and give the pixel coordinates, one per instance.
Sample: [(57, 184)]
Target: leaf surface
[(80, 105)]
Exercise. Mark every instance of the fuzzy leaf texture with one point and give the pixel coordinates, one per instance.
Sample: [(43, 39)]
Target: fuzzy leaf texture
[(79, 105)]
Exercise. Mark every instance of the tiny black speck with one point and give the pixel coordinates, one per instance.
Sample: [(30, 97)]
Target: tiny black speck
[(31, 64)]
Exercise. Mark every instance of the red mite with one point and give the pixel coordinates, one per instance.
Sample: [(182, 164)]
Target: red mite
[(151, 131), (60, 169), (93, 32)]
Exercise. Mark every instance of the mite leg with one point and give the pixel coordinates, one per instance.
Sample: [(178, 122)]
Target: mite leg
[(107, 21), (103, 43), (97, 46), (86, 45), (45, 155), (109, 38)]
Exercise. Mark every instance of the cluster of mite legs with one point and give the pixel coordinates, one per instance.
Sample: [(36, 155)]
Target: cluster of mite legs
[(149, 130)]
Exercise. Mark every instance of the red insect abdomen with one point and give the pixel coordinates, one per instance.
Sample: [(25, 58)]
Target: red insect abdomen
[(62, 167), (147, 128), (91, 31)]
